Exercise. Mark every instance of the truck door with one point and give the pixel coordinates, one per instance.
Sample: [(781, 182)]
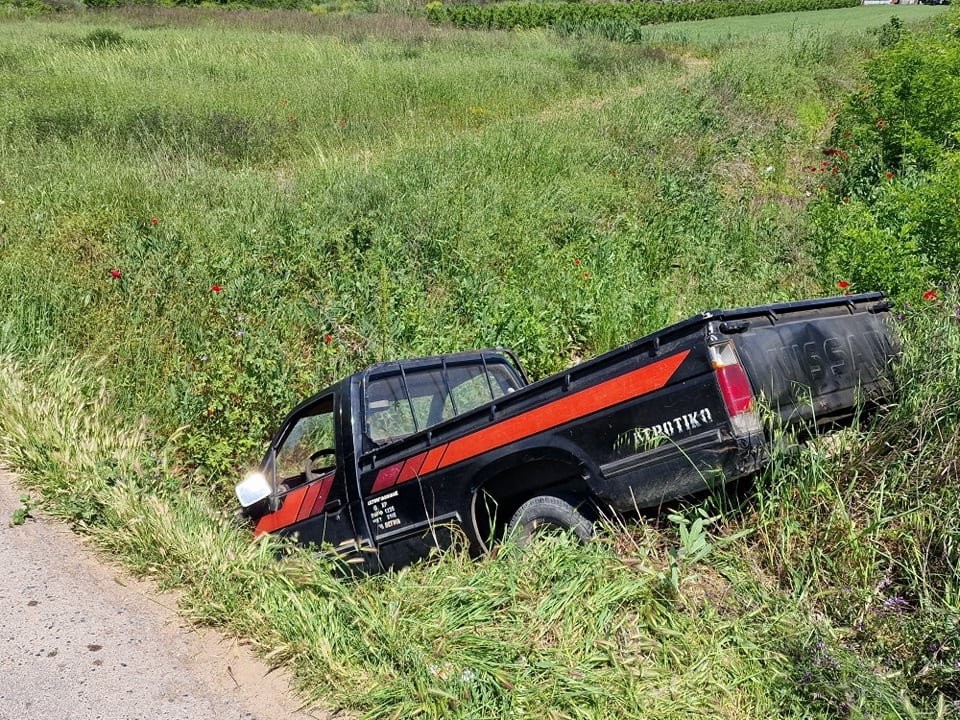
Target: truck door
[(310, 480)]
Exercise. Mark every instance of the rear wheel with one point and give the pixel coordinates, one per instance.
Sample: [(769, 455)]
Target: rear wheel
[(544, 514)]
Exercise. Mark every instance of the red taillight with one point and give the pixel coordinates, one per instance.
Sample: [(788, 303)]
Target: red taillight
[(735, 389)]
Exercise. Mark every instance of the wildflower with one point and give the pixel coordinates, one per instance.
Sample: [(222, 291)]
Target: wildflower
[(881, 123), (116, 274), (586, 276), (894, 604), (342, 123), (846, 199), (328, 338), (843, 284), (154, 221), (576, 263), (930, 295), (216, 288), (291, 118), (888, 175)]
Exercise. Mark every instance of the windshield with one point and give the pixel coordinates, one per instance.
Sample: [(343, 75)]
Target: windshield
[(310, 433), (399, 405)]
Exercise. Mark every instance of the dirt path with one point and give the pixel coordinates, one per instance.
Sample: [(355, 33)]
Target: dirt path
[(81, 640)]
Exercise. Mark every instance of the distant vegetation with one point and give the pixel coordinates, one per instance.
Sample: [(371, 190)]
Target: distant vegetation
[(205, 215), (616, 21)]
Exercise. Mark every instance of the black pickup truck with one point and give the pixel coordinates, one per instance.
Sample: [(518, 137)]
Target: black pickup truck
[(404, 457)]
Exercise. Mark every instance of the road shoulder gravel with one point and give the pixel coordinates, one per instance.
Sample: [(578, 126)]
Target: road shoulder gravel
[(81, 639)]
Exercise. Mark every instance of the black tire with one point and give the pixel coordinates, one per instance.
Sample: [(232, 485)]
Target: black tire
[(545, 513)]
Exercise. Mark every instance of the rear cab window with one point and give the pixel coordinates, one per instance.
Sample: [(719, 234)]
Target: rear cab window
[(403, 400)]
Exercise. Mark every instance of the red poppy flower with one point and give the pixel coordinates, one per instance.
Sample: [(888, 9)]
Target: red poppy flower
[(930, 295), (154, 221), (116, 274), (843, 284), (216, 288), (328, 338), (888, 175), (576, 263)]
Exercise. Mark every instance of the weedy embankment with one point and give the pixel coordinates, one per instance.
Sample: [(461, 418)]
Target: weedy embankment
[(228, 218)]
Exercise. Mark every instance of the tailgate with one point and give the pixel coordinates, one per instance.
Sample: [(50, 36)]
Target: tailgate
[(816, 359)]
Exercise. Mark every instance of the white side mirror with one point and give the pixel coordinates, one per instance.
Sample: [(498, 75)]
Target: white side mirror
[(252, 489)]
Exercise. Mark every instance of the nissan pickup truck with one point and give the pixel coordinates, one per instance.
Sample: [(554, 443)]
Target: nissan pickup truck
[(407, 457)]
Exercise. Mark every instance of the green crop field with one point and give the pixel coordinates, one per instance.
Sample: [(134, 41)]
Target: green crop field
[(206, 214), (818, 25)]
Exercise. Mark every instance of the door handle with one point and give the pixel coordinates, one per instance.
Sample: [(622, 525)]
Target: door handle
[(334, 506)]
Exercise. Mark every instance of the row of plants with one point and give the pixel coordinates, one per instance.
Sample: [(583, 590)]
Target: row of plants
[(616, 19)]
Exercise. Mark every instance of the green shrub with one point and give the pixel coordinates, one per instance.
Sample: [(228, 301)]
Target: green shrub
[(889, 217)]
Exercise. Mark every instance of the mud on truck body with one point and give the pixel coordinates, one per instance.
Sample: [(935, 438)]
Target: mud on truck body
[(392, 462)]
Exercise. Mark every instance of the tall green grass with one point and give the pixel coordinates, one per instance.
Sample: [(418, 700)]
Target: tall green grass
[(832, 590), (358, 200)]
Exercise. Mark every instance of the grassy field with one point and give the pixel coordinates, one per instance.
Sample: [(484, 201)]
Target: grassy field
[(814, 25), (206, 215)]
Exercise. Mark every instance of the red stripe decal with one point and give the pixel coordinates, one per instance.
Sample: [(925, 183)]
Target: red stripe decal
[(298, 505), (306, 509), (584, 402), (387, 477), (325, 484), (579, 404), (432, 461), (286, 515), (411, 468)]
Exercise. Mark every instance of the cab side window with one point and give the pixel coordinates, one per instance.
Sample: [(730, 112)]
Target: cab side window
[(398, 405)]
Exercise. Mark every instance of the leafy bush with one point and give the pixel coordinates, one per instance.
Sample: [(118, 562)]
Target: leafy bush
[(889, 218)]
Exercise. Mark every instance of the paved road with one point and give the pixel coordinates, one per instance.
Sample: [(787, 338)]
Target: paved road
[(79, 640)]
